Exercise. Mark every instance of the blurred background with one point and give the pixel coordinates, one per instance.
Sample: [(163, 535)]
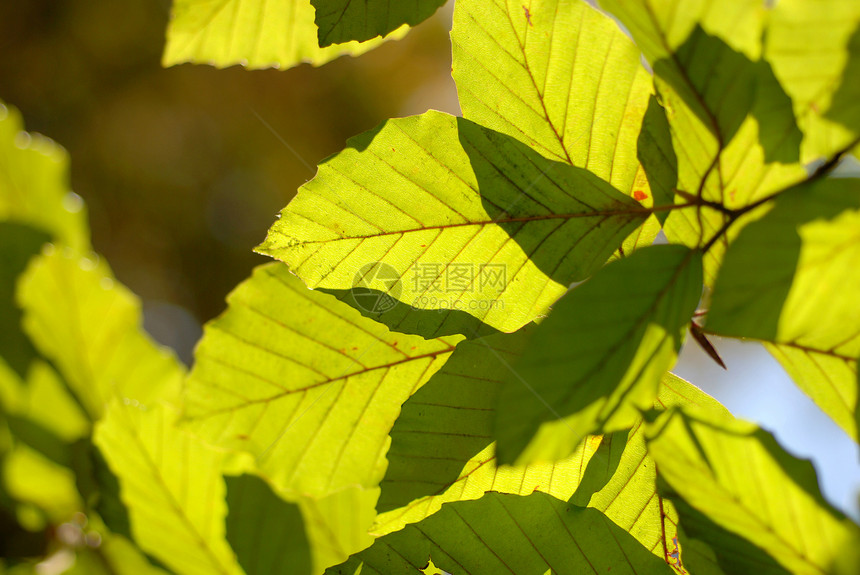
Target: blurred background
[(184, 169)]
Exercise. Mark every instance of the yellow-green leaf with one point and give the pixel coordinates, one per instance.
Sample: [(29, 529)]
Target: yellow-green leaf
[(599, 357), (802, 299), (34, 185), (814, 48), (304, 383), (172, 486), (253, 33), (735, 476), (89, 325), (502, 533), (466, 221)]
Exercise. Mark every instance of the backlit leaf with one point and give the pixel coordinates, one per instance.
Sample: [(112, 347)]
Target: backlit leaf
[(172, 487), (89, 325), (600, 355), (501, 533), (814, 48), (439, 200), (732, 126), (561, 77), (738, 478), (304, 383), (344, 20), (442, 451), (802, 299), (337, 525), (253, 33), (34, 184)]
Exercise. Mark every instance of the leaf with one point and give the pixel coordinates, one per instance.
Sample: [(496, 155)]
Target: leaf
[(533, 72), (344, 20), (814, 49), (560, 77), (88, 324), (114, 556), (20, 243), (731, 124), (600, 355), (535, 534), (266, 533), (304, 383), (34, 184), (337, 525), (441, 450), (253, 33), (443, 435), (738, 477), (172, 486), (806, 253), (30, 477), (437, 200)]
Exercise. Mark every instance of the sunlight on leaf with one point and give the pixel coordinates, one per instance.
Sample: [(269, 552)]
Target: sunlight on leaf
[(89, 325), (30, 477), (34, 185), (814, 48), (529, 535), (253, 33), (337, 525), (534, 73), (766, 499), (439, 456), (600, 355), (731, 125), (560, 77), (172, 487), (344, 20), (304, 383), (432, 195), (806, 253)]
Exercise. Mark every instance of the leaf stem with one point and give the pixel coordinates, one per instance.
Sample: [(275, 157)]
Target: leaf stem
[(821, 172)]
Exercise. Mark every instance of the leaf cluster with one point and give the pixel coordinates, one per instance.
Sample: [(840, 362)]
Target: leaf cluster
[(479, 379)]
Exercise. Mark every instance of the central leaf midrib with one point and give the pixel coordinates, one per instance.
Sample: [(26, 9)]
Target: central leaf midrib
[(644, 212)]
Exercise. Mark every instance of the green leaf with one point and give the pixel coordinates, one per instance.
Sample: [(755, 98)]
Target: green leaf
[(441, 450), (736, 477), (444, 432), (266, 533), (172, 486), (34, 184), (437, 200), (114, 556), (600, 355), (337, 525), (806, 254), (253, 33), (344, 20), (30, 477), (88, 324), (304, 383), (557, 75), (43, 400), (560, 77), (732, 126), (535, 534), (20, 243), (814, 48)]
